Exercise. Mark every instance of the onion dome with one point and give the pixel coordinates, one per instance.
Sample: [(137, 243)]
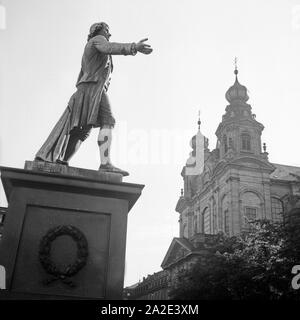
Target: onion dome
[(237, 92)]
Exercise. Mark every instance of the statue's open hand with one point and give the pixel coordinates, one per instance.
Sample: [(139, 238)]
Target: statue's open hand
[(143, 47)]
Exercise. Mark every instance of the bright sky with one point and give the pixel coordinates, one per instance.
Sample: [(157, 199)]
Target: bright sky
[(155, 98)]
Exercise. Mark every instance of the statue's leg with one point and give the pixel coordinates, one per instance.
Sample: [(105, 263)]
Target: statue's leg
[(77, 136), (104, 143), (107, 123)]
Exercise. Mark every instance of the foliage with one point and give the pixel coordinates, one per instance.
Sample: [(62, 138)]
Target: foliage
[(255, 265)]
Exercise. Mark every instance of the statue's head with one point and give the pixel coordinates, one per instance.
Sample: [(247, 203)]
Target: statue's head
[(97, 28)]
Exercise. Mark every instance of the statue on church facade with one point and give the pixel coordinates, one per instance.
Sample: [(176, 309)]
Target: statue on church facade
[(89, 106)]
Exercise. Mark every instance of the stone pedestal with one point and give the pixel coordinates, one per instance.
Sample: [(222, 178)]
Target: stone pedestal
[(65, 232)]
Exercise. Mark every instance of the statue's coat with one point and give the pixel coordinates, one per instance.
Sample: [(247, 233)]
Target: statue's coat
[(83, 109)]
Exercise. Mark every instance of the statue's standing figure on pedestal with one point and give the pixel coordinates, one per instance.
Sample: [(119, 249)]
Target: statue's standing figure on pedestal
[(89, 106)]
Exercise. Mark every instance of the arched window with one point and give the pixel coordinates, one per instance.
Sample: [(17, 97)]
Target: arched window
[(251, 206), (276, 209), (250, 215), (225, 143), (246, 142)]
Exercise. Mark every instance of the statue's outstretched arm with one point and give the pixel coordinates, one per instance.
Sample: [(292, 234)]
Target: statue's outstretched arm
[(107, 47)]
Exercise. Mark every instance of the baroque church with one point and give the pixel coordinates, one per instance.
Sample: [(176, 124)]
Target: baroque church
[(224, 190), (238, 183)]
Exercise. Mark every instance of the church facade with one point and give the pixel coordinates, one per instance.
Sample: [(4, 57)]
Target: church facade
[(228, 187)]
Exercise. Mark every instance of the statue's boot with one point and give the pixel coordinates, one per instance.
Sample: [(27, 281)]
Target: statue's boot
[(39, 159), (65, 163), (108, 167)]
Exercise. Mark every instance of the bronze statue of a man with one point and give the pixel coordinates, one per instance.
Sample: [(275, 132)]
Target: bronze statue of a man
[(89, 106)]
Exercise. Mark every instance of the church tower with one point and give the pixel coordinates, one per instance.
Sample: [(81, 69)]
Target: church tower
[(239, 133), (232, 186)]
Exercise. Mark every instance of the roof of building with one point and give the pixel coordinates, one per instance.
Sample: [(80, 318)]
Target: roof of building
[(180, 248), (186, 243), (284, 172)]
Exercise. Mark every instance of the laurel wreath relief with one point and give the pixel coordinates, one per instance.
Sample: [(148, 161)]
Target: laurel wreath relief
[(63, 274)]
